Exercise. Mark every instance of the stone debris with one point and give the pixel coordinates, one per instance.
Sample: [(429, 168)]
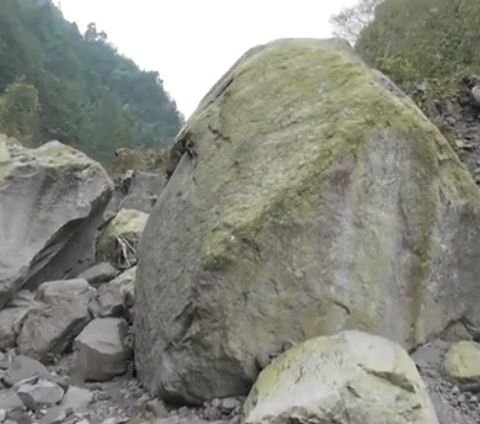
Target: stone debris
[(40, 394), (77, 398), (462, 362), (100, 350), (117, 297), (49, 329), (99, 274), (24, 368)]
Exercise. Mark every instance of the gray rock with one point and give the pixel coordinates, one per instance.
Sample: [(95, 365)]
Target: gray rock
[(176, 419), (229, 405), (42, 394), (476, 94), (20, 417), (9, 401), (157, 408), (11, 320), (55, 415), (116, 420), (136, 190), (49, 329), (115, 298), (23, 299), (51, 200), (342, 207), (23, 368), (77, 398), (3, 415), (100, 350), (99, 274)]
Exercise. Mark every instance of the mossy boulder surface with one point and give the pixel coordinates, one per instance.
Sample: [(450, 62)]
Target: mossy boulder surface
[(462, 361), (118, 242), (353, 377), (310, 196)]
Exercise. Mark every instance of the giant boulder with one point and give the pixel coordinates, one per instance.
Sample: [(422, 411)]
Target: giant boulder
[(51, 203), (310, 196)]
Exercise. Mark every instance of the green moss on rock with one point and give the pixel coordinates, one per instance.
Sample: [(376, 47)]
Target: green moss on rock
[(462, 361), (315, 197)]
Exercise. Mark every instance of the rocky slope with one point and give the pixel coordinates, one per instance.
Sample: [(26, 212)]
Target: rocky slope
[(457, 115), (307, 195)]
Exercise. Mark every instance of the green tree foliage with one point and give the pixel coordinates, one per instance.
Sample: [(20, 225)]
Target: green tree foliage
[(87, 94), (423, 40), (349, 23), (19, 109)]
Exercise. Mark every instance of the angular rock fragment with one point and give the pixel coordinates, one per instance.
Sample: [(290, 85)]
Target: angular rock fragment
[(24, 368), (99, 273), (11, 320), (40, 394), (52, 200), (77, 399), (100, 350), (50, 328), (9, 401), (116, 298)]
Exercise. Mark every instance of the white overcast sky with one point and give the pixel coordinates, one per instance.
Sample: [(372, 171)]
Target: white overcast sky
[(191, 43)]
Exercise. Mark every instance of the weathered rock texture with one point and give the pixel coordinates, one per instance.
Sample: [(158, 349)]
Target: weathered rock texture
[(353, 377), (115, 298), (312, 196), (101, 351), (136, 190), (62, 313), (462, 361), (51, 201)]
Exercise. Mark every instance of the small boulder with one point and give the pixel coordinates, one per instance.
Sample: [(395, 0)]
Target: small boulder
[(77, 399), (9, 401), (24, 368), (49, 329), (55, 415), (136, 190), (476, 94), (116, 298), (41, 394), (101, 351), (462, 361), (11, 320), (99, 274), (118, 242), (332, 379)]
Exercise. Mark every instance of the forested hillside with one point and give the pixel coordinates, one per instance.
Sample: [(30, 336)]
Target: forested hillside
[(60, 84), (416, 40)]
